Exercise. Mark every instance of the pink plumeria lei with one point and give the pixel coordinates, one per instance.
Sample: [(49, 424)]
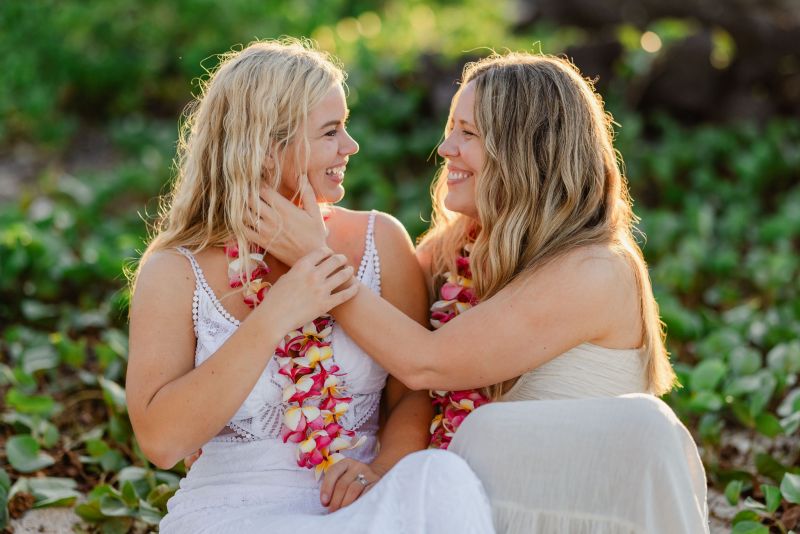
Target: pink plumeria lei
[(314, 391), (452, 407)]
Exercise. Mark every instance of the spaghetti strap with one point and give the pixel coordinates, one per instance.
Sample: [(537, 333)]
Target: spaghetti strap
[(202, 285), (370, 257)]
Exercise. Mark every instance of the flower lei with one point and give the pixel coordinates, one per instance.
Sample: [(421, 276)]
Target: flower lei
[(314, 391), (455, 297)]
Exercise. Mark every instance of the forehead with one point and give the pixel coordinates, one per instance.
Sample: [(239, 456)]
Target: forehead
[(465, 103), (332, 106)]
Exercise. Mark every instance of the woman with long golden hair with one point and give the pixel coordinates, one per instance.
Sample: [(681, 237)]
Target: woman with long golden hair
[(544, 299), (232, 351)]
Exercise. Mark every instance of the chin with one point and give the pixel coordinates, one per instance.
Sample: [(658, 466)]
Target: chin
[(459, 206), (330, 197)]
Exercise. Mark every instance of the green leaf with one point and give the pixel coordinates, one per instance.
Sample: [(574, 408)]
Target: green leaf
[(757, 506), (24, 454), (129, 495), (732, 492), (707, 375), (791, 424), (769, 467), (90, 511), (790, 488), (113, 506), (119, 428), (705, 401), (97, 447), (746, 515), (49, 434), (159, 496), (113, 394), (773, 497), (117, 525), (5, 485), (744, 360), (30, 404), (39, 357), (785, 358), (768, 425), (112, 460), (749, 527), (53, 491), (149, 514), (790, 403)]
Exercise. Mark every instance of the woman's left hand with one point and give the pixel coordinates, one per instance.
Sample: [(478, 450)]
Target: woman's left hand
[(284, 230), (342, 484)]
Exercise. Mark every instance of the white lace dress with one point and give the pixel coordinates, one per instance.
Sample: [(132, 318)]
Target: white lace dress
[(247, 480), (577, 446)]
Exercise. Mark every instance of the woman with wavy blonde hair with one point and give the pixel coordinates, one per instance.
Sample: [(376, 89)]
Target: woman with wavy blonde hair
[(545, 315), (232, 352)]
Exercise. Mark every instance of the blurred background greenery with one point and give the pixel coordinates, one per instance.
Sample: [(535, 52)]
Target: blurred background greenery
[(707, 100)]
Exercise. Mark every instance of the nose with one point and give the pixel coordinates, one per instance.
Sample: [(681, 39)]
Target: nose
[(348, 146), (448, 148)]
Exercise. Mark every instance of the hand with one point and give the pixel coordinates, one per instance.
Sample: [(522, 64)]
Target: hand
[(191, 459), (309, 289), (284, 230), (341, 485)]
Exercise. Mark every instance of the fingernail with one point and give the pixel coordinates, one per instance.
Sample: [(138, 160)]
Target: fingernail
[(325, 498)]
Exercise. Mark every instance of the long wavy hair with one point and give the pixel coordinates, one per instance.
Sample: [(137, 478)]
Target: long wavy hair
[(252, 106), (551, 183)]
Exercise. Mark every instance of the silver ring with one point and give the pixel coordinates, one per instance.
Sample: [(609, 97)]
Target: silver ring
[(361, 479)]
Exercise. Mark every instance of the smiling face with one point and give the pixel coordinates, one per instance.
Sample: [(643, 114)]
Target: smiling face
[(464, 154), (330, 147)]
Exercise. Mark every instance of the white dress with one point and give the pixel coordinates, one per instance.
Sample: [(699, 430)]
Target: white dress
[(248, 481), (577, 446)]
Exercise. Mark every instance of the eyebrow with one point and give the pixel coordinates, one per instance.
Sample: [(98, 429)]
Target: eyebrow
[(462, 121), (335, 122)]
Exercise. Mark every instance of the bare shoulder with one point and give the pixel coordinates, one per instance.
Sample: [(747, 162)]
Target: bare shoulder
[(593, 272), (390, 234), (164, 274)]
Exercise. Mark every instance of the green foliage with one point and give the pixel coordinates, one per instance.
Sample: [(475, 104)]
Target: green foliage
[(720, 207)]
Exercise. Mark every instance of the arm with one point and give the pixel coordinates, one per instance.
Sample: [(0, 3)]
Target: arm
[(573, 299), (409, 412), (176, 408), (403, 286), (529, 322)]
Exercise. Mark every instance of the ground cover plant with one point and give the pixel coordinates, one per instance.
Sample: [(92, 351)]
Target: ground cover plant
[(720, 209)]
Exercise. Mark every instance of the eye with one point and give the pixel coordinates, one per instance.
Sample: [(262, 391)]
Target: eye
[(331, 133), (467, 133)]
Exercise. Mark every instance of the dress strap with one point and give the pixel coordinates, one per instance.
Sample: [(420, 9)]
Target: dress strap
[(370, 259), (203, 287), (198, 272)]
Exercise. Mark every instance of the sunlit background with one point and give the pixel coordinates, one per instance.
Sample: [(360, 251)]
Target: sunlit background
[(706, 96)]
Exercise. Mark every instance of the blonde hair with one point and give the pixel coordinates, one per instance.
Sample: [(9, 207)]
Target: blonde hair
[(253, 105), (550, 184)]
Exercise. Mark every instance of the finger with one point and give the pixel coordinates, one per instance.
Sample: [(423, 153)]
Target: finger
[(331, 264), (314, 257), (354, 491), (345, 294), (332, 475), (340, 490), (309, 198), (339, 277)]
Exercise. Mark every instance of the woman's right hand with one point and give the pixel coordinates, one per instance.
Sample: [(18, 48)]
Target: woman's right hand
[(318, 282)]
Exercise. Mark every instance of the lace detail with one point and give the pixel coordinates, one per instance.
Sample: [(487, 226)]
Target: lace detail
[(261, 414), (202, 285), (369, 271)]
